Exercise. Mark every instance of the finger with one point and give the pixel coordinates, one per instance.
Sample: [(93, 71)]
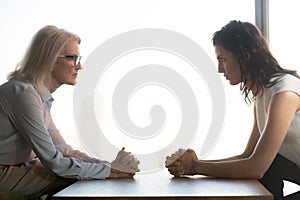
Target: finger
[(168, 160), (134, 162), (133, 159), (126, 159), (134, 170), (130, 165), (171, 170), (174, 164), (133, 165), (181, 150), (122, 152), (175, 167), (137, 161), (173, 157), (192, 152), (123, 157), (177, 174), (119, 155), (131, 169), (176, 171), (180, 159), (179, 153)]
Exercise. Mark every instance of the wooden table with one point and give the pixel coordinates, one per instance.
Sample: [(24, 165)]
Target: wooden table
[(161, 185)]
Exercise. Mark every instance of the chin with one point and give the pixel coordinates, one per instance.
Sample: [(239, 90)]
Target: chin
[(71, 83), (233, 83)]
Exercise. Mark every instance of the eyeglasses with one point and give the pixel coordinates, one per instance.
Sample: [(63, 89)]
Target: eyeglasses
[(75, 58)]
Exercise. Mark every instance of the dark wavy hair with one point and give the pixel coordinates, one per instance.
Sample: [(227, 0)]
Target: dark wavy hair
[(246, 42)]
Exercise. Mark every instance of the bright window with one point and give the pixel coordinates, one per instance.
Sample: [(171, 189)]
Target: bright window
[(284, 32), (97, 21)]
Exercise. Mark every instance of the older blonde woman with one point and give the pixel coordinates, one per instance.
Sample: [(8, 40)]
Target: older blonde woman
[(34, 157)]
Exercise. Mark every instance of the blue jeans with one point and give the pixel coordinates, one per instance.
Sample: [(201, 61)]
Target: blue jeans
[(281, 169)]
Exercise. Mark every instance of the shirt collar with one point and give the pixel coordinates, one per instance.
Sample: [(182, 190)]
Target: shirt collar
[(46, 96)]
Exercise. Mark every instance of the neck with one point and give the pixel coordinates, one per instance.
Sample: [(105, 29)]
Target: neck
[(253, 90), (51, 84)]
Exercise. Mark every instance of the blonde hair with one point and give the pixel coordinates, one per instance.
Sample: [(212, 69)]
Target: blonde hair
[(41, 56)]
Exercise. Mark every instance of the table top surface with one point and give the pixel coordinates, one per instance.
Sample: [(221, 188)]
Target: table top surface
[(162, 184)]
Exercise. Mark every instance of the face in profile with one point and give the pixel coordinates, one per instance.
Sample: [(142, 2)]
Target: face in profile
[(228, 64), (65, 70)]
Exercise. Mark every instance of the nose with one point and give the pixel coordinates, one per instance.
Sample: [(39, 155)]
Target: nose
[(220, 68), (79, 66)]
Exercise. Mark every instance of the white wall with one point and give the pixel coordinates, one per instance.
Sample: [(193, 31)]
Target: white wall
[(97, 21)]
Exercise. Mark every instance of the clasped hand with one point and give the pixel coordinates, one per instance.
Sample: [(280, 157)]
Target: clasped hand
[(181, 162), (125, 165)]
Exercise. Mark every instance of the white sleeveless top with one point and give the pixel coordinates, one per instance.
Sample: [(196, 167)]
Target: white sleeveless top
[(290, 148)]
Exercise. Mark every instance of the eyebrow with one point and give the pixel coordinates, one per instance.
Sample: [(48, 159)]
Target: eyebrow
[(71, 54)]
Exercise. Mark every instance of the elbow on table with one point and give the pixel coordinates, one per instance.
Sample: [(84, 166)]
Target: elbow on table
[(257, 175), (256, 172), (248, 173)]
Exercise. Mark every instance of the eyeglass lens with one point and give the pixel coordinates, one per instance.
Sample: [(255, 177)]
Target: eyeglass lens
[(77, 60)]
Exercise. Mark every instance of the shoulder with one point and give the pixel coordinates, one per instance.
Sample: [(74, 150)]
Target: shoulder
[(16, 86), (288, 78), (286, 82), (17, 90)]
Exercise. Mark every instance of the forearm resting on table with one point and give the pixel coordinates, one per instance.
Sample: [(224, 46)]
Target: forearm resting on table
[(68, 151), (239, 168), (236, 157)]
